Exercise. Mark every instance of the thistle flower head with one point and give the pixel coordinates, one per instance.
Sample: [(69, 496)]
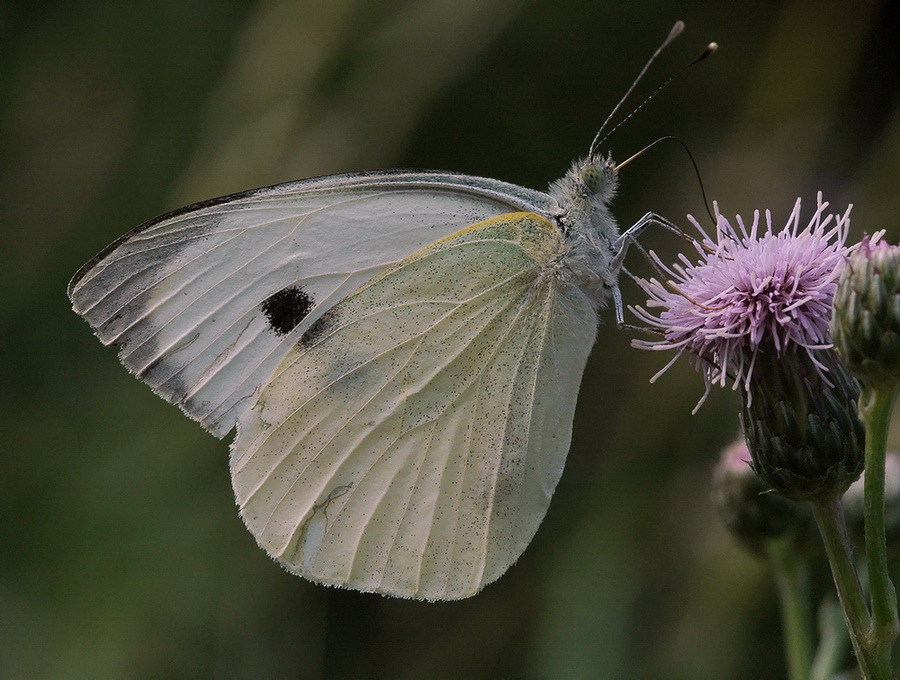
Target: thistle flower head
[(804, 431), (752, 287), (755, 308)]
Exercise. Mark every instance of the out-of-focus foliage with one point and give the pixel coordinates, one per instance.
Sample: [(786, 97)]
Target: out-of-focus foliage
[(122, 552)]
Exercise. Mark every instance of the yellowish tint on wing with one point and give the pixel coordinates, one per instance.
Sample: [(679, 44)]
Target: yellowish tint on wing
[(409, 444)]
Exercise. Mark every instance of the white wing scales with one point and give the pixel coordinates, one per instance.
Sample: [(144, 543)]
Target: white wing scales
[(409, 443), (205, 302)]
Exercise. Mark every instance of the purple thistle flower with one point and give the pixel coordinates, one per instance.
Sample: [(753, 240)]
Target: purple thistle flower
[(748, 289)]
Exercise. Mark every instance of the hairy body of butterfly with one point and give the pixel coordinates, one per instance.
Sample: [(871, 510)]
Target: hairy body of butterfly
[(400, 353)]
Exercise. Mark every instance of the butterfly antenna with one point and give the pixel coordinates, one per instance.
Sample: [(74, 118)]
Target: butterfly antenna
[(684, 146), (676, 29), (674, 33)]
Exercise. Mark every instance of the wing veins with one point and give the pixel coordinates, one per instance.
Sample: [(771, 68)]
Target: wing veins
[(533, 333), (456, 304), (493, 486), (176, 290), (431, 423), (418, 339), (236, 231), (147, 248), (328, 385)]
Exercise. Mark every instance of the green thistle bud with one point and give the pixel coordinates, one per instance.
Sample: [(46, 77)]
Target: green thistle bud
[(804, 434), (749, 512), (865, 322)]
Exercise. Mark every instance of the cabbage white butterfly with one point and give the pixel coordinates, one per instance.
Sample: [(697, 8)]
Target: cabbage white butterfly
[(399, 353)]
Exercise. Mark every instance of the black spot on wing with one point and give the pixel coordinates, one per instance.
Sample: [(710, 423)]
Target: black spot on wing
[(286, 309), (319, 327)]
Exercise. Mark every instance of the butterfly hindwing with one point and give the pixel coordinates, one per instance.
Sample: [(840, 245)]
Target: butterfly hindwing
[(204, 303), (410, 439)]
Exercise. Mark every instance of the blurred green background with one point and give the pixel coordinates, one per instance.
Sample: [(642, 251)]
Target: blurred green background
[(123, 555)]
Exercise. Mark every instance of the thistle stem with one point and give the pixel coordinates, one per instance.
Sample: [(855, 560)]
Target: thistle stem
[(791, 573), (876, 405), (829, 514)]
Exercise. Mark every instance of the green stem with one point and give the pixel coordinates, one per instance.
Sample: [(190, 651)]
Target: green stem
[(876, 405), (792, 580), (829, 515)]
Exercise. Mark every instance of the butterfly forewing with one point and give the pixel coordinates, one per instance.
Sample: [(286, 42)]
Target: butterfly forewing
[(204, 303), (410, 440)]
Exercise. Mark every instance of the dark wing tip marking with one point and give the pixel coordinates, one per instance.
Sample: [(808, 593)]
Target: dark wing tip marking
[(287, 308)]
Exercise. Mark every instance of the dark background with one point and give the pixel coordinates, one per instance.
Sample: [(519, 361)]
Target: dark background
[(123, 555)]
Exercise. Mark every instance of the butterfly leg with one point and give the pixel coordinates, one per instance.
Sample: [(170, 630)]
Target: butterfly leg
[(630, 235), (629, 238)]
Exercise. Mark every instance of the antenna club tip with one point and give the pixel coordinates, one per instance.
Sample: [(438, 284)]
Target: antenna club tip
[(676, 30), (710, 49)]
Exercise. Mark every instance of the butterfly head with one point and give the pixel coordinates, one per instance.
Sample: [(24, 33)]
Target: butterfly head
[(584, 193), (597, 177)]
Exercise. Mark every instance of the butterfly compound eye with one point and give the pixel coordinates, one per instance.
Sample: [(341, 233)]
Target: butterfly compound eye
[(593, 175)]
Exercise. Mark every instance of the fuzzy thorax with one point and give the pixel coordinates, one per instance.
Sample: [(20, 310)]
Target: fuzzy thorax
[(588, 226)]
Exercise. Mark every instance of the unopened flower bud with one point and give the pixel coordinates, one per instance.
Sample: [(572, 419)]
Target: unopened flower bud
[(865, 322), (749, 511), (804, 433)]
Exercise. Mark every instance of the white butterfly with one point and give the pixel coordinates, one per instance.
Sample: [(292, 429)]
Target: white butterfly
[(400, 353)]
